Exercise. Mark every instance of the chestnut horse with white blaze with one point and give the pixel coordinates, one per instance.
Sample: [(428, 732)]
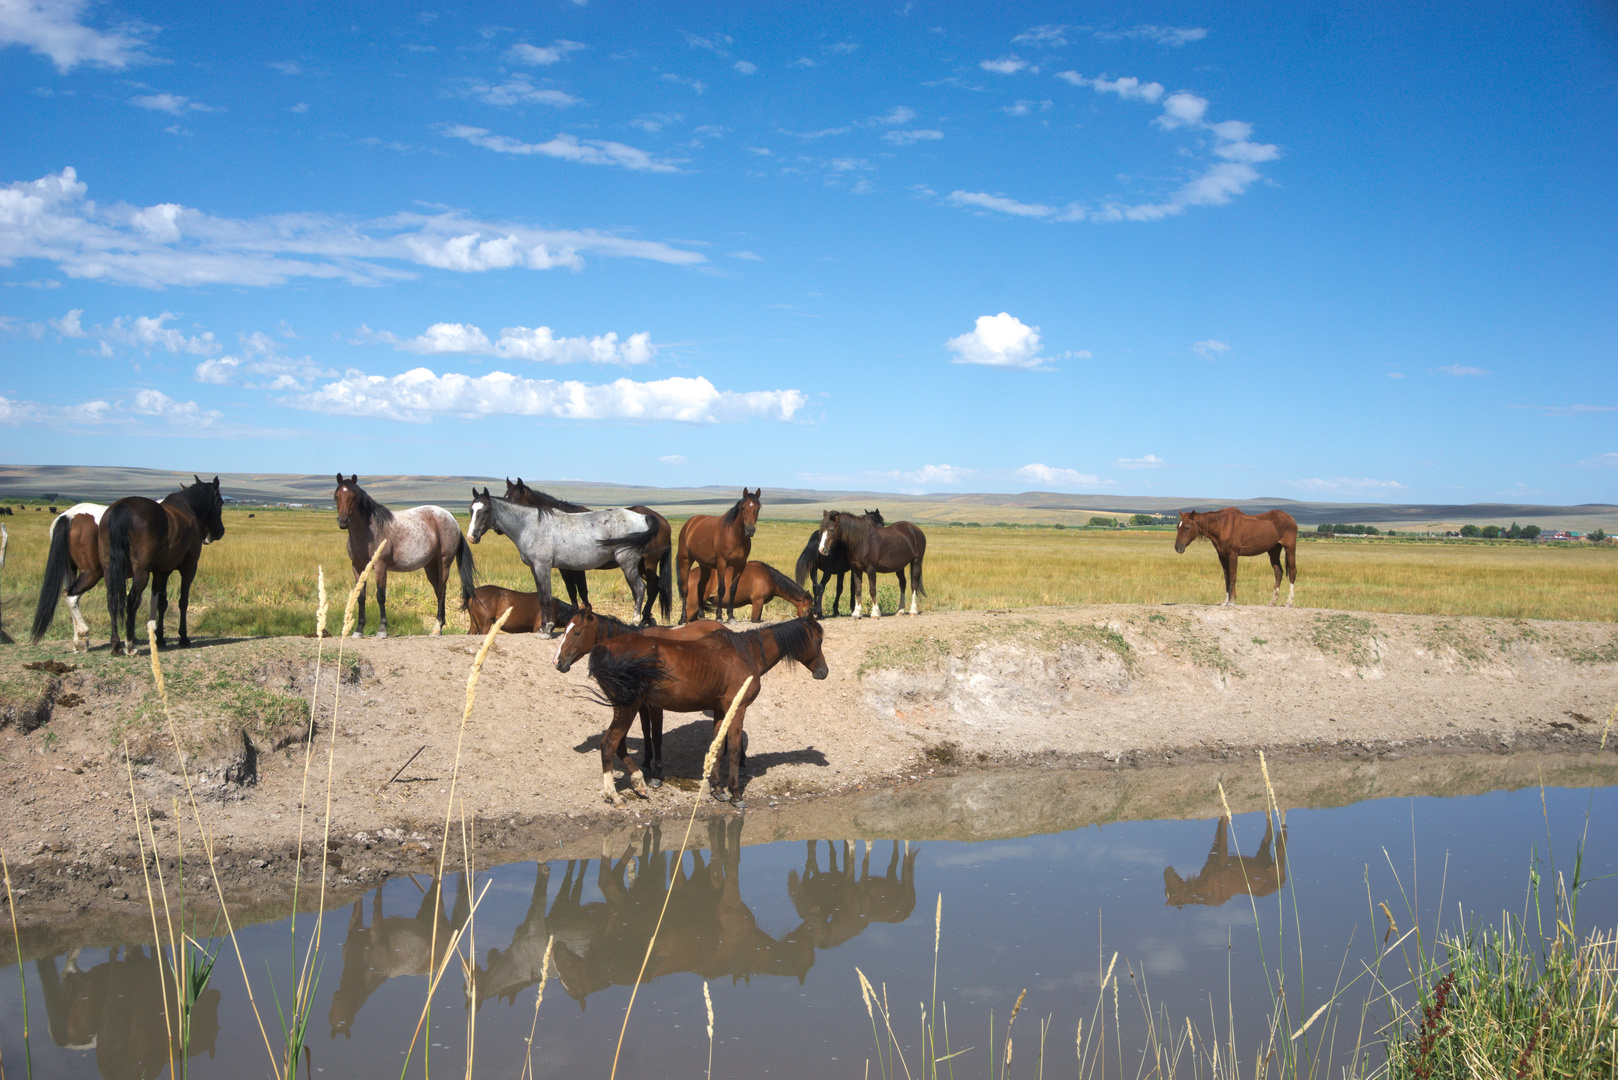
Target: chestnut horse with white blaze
[(1234, 534), (717, 544)]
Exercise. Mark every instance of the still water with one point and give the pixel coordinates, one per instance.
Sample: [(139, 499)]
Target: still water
[(1202, 914)]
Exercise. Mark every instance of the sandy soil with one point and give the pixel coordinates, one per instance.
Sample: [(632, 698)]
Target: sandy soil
[(926, 726)]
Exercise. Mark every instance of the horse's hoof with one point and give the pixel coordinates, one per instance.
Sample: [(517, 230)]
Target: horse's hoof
[(380, 634), (721, 794), (656, 781), (738, 802), (356, 635)]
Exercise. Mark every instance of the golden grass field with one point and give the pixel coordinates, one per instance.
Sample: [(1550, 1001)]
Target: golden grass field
[(260, 578)]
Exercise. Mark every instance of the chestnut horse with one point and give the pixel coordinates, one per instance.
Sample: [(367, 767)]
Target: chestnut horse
[(76, 547), (760, 583), (1225, 875), (140, 539), (720, 544), (489, 602), (1233, 533), (811, 562), (656, 565), (694, 676), (421, 538), (874, 549)]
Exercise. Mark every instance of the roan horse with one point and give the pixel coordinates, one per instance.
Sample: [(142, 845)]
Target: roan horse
[(874, 549), (553, 538), (141, 539), (812, 563), (75, 547), (421, 538), (1233, 533), (760, 583), (720, 544), (656, 566), (694, 676)]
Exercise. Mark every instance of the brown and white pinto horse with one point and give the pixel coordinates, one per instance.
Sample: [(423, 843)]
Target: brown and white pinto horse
[(75, 548), (717, 544), (1233, 534), (421, 538), (142, 540), (874, 549)]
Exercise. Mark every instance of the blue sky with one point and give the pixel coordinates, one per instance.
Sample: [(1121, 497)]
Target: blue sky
[(1172, 250)]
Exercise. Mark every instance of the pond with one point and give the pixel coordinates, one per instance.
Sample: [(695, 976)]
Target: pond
[(1201, 914)]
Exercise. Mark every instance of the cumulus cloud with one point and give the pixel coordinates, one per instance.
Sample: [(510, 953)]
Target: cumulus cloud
[(1608, 460), (540, 345), (518, 90), (915, 135), (1210, 349), (1173, 36), (13, 411), (419, 395), (55, 28), (1347, 485), (674, 459), (1461, 371), (1005, 65), (565, 147), (261, 366), (542, 55), (180, 417), (745, 67), (916, 481), (173, 104), (158, 404), (1128, 87), (1000, 340), (52, 219), (982, 200), (1150, 461), (144, 332), (1052, 476)]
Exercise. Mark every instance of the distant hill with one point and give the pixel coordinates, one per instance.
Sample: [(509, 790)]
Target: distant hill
[(103, 484)]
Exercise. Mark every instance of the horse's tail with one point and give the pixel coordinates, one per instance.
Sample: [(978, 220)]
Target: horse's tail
[(624, 680), (57, 564), (481, 618), (665, 582), (463, 563), (636, 542), (806, 561), (117, 521), (915, 564)]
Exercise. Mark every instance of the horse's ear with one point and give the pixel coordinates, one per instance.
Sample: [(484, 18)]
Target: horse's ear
[(339, 479), (216, 483), (355, 479)]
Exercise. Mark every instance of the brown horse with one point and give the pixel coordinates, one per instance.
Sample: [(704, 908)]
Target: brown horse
[(838, 904), (489, 602), (75, 547), (758, 584), (694, 676), (817, 569), (1233, 533), (585, 630), (1225, 875), (421, 538), (656, 565), (874, 549), (140, 539), (720, 544)]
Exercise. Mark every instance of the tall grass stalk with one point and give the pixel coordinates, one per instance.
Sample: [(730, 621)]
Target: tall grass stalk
[(16, 941), (544, 977)]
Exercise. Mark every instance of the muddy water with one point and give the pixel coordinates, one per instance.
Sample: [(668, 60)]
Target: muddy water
[(1200, 912)]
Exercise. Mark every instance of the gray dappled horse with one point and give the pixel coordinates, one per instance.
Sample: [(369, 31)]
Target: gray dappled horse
[(547, 538)]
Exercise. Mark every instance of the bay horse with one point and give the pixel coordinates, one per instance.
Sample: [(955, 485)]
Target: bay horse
[(812, 563), (141, 540), (874, 549), (420, 538), (586, 629), (694, 676), (547, 538), (718, 543), (1225, 875), (656, 566), (75, 548), (1233, 534), (758, 584), (489, 602)]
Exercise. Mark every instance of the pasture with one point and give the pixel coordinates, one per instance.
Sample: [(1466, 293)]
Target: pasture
[(260, 578)]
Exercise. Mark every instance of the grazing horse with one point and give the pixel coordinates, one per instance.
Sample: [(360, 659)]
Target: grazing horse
[(874, 549), (812, 561), (717, 543), (421, 538), (694, 676), (545, 538), (1225, 875), (1233, 533), (656, 566), (489, 602), (140, 539), (75, 547), (585, 630), (760, 583)]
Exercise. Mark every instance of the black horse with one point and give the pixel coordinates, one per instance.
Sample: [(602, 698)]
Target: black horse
[(812, 563), (143, 541)]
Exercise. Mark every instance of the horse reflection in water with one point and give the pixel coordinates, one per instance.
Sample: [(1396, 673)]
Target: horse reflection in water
[(393, 945), (1225, 875), (837, 904), (117, 1009)]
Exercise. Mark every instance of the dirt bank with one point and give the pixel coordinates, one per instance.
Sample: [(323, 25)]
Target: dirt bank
[(1125, 712)]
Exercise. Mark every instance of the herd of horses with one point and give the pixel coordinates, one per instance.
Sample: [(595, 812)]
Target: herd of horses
[(644, 670)]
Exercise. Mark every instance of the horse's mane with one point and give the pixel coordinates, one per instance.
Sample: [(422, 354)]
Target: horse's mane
[(792, 636), (612, 626), (733, 513), (193, 498), (783, 584), (542, 501), (857, 526), (370, 508)]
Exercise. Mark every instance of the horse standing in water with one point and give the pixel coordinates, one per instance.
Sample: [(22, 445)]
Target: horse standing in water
[(720, 544), (811, 562), (75, 548), (421, 538), (1233, 534), (140, 539), (874, 549), (655, 566)]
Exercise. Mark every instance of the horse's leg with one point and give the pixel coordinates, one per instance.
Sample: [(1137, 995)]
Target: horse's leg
[(137, 585), (725, 599), (853, 593), (838, 599), (612, 746), (876, 608), (578, 586), (158, 607), (1275, 564), (1227, 563), (542, 583), (900, 574), (187, 572), (651, 734), (734, 747), (437, 571), (381, 577), (1292, 571), (637, 584), (81, 627), (359, 625)]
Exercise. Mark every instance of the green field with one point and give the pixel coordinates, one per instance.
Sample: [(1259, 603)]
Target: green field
[(260, 579)]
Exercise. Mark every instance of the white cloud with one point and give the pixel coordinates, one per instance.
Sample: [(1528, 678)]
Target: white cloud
[(999, 341), (905, 138), (1052, 34), (1023, 108), (1005, 65), (745, 67), (1150, 461), (1174, 36), (1055, 477), (674, 459), (285, 67), (1182, 110), (1608, 460), (518, 90), (52, 219), (54, 28), (1127, 87), (270, 371), (156, 403), (1461, 371), (803, 62), (696, 85), (652, 123), (69, 325), (1348, 485), (1543, 410), (174, 104), (928, 476), (148, 332), (419, 395), (18, 412), (750, 256), (542, 55), (985, 201), (899, 114), (1210, 349), (540, 345), (566, 147)]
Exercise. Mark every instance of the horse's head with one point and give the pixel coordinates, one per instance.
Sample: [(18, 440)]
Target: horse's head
[(749, 510), (347, 497), (578, 639), (805, 605), (209, 505), (482, 511), (515, 492), (828, 530), (1188, 531), (875, 518), (808, 653)]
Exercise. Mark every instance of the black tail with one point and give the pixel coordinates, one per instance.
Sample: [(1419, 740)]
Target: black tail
[(665, 582), (637, 542), (624, 680), (57, 564), (117, 522), (807, 561), (463, 563), (915, 576)]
